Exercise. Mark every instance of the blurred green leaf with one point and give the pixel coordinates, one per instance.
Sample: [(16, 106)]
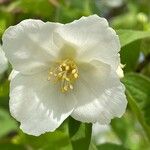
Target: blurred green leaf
[(2, 25), (72, 9), (124, 21), (110, 146), (80, 134), (39, 9), (9, 146), (5, 21), (58, 140), (129, 36), (4, 94), (92, 146), (118, 125), (7, 124), (138, 91), (145, 46)]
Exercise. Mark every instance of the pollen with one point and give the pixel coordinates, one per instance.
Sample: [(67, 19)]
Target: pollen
[(65, 73)]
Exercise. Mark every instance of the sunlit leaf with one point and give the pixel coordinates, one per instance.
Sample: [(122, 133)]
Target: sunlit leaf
[(129, 36), (7, 124)]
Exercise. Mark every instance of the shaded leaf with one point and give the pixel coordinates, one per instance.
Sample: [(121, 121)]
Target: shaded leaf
[(4, 94), (118, 125), (138, 92), (9, 146), (139, 88), (57, 140), (80, 134), (130, 55)]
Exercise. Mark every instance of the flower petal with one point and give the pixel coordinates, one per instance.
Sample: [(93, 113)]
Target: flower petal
[(12, 74), (120, 71), (29, 45), (92, 76), (3, 61), (90, 86), (95, 39), (37, 104), (108, 104)]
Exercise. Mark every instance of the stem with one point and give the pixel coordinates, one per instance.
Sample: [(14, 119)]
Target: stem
[(138, 114)]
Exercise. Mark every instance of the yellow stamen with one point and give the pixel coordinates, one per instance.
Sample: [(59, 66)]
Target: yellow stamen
[(73, 71), (67, 68), (76, 75), (66, 72), (71, 87)]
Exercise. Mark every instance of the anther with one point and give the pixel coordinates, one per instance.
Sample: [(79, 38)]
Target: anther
[(71, 87), (73, 71), (76, 75), (67, 68), (60, 69), (64, 65), (66, 72), (67, 79), (66, 88)]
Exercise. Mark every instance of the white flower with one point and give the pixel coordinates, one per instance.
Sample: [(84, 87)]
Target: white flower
[(3, 61), (64, 70), (120, 71), (12, 74)]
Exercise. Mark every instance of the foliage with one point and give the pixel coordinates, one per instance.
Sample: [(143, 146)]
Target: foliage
[(131, 20)]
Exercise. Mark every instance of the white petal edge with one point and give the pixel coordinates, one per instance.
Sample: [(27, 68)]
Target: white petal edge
[(29, 45), (94, 39), (12, 74), (3, 61), (120, 71), (37, 104), (112, 103)]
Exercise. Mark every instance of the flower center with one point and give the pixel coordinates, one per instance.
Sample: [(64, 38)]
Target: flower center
[(66, 72)]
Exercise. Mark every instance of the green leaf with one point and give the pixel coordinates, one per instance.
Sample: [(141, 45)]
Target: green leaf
[(9, 146), (7, 124), (129, 36), (58, 140), (138, 92), (2, 25), (131, 46), (92, 146), (72, 9), (4, 94), (110, 146), (118, 126), (80, 134), (130, 55), (145, 46), (29, 9)]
